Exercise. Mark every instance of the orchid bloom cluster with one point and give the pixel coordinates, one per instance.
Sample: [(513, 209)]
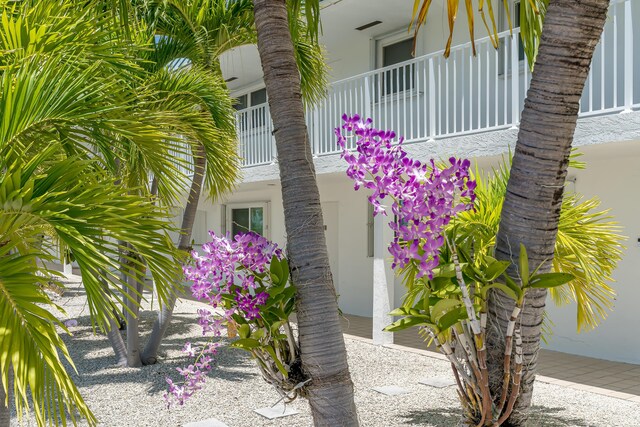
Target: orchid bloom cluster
[(225, 276), (193, 375), (424, 197)]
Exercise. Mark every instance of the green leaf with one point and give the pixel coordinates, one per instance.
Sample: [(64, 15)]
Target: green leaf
[(550, 280), (451, 318), (244, 331), (404, 323), (523, 263), (504, 288), (513, 286), (246, 344), (495, 269), (277, 361), (442, 307), (400, 311), (276, 271), (445, 270)]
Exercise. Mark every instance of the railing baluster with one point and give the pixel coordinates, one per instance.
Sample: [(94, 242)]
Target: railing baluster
[(392, 95), (432, 101), (628, 56), (615, 59), (515, 104)]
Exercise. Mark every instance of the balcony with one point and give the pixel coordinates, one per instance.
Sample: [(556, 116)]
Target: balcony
[(430, 97)]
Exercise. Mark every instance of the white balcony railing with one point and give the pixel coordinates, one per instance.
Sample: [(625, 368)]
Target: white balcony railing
[(432, 97)]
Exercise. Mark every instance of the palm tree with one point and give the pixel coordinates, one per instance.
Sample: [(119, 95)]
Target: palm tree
[(588, 245), (198, 32), (323, 353), (533, 201), (70, 120), (204, 123)]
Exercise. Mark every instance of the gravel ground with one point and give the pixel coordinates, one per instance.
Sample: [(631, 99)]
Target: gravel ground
[(133, 397)]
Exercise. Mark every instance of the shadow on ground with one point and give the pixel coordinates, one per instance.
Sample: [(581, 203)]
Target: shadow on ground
[(541, 416), (96, 362)]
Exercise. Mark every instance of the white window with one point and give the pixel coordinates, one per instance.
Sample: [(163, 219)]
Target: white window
[(255, 118), (247, 217), (252, 99)]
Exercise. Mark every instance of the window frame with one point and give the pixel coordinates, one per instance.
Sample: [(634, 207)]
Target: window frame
[(381, 44), (266, 229)]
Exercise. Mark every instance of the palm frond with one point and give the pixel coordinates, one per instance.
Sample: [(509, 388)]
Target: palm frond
[(531, 18), (588, 245), (30, 346)]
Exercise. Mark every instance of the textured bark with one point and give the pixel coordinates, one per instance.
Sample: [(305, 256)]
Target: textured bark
[(134, 292), (532, 205), (150, 352), (330, 391), (117, 343)]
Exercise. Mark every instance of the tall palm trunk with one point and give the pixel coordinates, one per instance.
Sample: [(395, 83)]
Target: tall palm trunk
[(150, 352), (532, 205), (134, 280), (323, 352)]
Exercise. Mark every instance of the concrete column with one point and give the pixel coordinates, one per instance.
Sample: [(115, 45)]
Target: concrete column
[(383, 280), (67, 269)]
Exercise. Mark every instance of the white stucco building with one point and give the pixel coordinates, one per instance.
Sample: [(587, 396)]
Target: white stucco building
[(462, 106)]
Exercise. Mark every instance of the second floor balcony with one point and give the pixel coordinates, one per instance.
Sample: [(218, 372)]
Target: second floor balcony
[(432, 97)]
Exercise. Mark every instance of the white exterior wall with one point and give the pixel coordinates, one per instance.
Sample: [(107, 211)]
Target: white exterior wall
[(611, 174)]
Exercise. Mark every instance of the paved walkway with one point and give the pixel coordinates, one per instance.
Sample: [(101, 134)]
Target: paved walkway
[(615, 379)]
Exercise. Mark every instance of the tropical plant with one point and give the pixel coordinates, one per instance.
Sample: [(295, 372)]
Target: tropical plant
[(588, 246), (533, 201), (197, 33), (78, 118), (447, 274), (76, 201), (322, 348), (247, 280), (531, 19)]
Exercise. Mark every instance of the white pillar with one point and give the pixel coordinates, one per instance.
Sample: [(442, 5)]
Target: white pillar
[(383, 280), (67, 269)]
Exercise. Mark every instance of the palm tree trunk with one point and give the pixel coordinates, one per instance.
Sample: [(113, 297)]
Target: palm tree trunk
[(134, 291), (150, 352), (323, 352), (117, 343), (531, 210)]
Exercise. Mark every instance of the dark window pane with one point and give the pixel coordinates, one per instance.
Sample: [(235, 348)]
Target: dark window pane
[(400, 79), (241, 102), (239, 221), (397, 52), (516, 23), (257, 220), (259, 97)]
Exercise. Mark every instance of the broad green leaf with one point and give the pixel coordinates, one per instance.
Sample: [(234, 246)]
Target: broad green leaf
[(504, 288), (442, 307), (523, 264), (244, 331), (246, 344), (451, 318), (550, 280), (404, 323), (495, 270)]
